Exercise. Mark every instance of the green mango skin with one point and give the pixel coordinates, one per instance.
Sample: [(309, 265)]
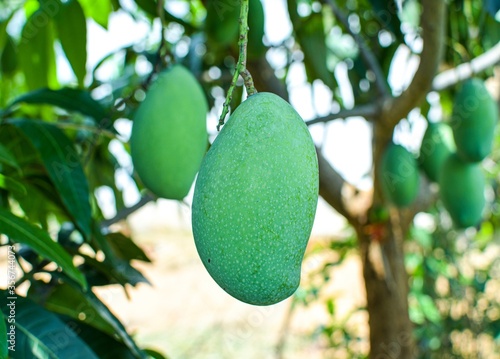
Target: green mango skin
[(399, 176), (169, 136), (473, 121), (462, 187), (255, 200), (437, 145)]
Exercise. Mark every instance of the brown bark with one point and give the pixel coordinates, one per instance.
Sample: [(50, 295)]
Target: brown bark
[(386, 284)]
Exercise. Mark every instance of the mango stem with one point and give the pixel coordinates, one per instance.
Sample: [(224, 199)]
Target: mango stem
[(241, 64)]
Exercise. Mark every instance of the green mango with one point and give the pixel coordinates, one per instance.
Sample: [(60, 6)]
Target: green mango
[(398, 175), (437, 145), (169, 136), (473, 121), (255, 200), (462, 187)]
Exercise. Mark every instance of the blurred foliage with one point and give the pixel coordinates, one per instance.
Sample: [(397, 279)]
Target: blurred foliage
[(60, 145)]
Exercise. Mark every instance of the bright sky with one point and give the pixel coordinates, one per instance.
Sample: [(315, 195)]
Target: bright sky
[(345, 143)]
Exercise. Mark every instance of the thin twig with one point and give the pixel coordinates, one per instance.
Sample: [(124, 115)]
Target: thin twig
[(367, 111), (125, 212), (79, 126), (240, 65), (285, 328), (462, 72), (367, 55)]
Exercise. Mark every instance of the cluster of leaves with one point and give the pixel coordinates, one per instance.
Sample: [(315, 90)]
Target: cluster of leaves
[(54, 158), (454, 280)]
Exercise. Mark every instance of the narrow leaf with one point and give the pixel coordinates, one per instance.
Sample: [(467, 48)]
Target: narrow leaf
[(12, 185), (7, 158), (154, 354), (8, 59), (68, 300), (386, 13), (105, 346), (72, 31), (71, 301), (67, 98), (310, 34), (41, 334), (22, 231), (149, 6), (63, 167), (4, 350), (125, 248), (3, 29), (36, 52), (117, 271), (99, 11)]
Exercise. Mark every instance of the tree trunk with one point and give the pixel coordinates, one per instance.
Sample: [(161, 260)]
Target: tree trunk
[(386, 284)]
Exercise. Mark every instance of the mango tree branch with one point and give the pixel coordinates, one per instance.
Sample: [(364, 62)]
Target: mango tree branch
[(464, 71), (331, 184), (368, 56), (240, 65), (433, 30), (367, 111), (127, 211)]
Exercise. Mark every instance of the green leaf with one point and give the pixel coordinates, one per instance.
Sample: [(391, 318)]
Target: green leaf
[(41, 334), (98, 10), (118, 271), (22, 231), (310, 34), (70, 300), (386, 13), (36, 52), (125, 248), (149, 6), (154, 354), (8, 60), (6, 157), (63, 167), (3, 29), (428, 308), (72, 30), (12, 185), (105, 346), (4, 350), (67, 98)]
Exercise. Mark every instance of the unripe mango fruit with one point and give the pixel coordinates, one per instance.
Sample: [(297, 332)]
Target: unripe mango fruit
[(169, 136), (255, 200), (398, 175), (461, 186), (437, 145), (473, 121)]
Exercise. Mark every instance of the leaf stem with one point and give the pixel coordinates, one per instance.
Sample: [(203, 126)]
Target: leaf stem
[(240, 65)]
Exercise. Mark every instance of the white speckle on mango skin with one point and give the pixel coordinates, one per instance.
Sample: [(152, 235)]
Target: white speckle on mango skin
[(255, 200)]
